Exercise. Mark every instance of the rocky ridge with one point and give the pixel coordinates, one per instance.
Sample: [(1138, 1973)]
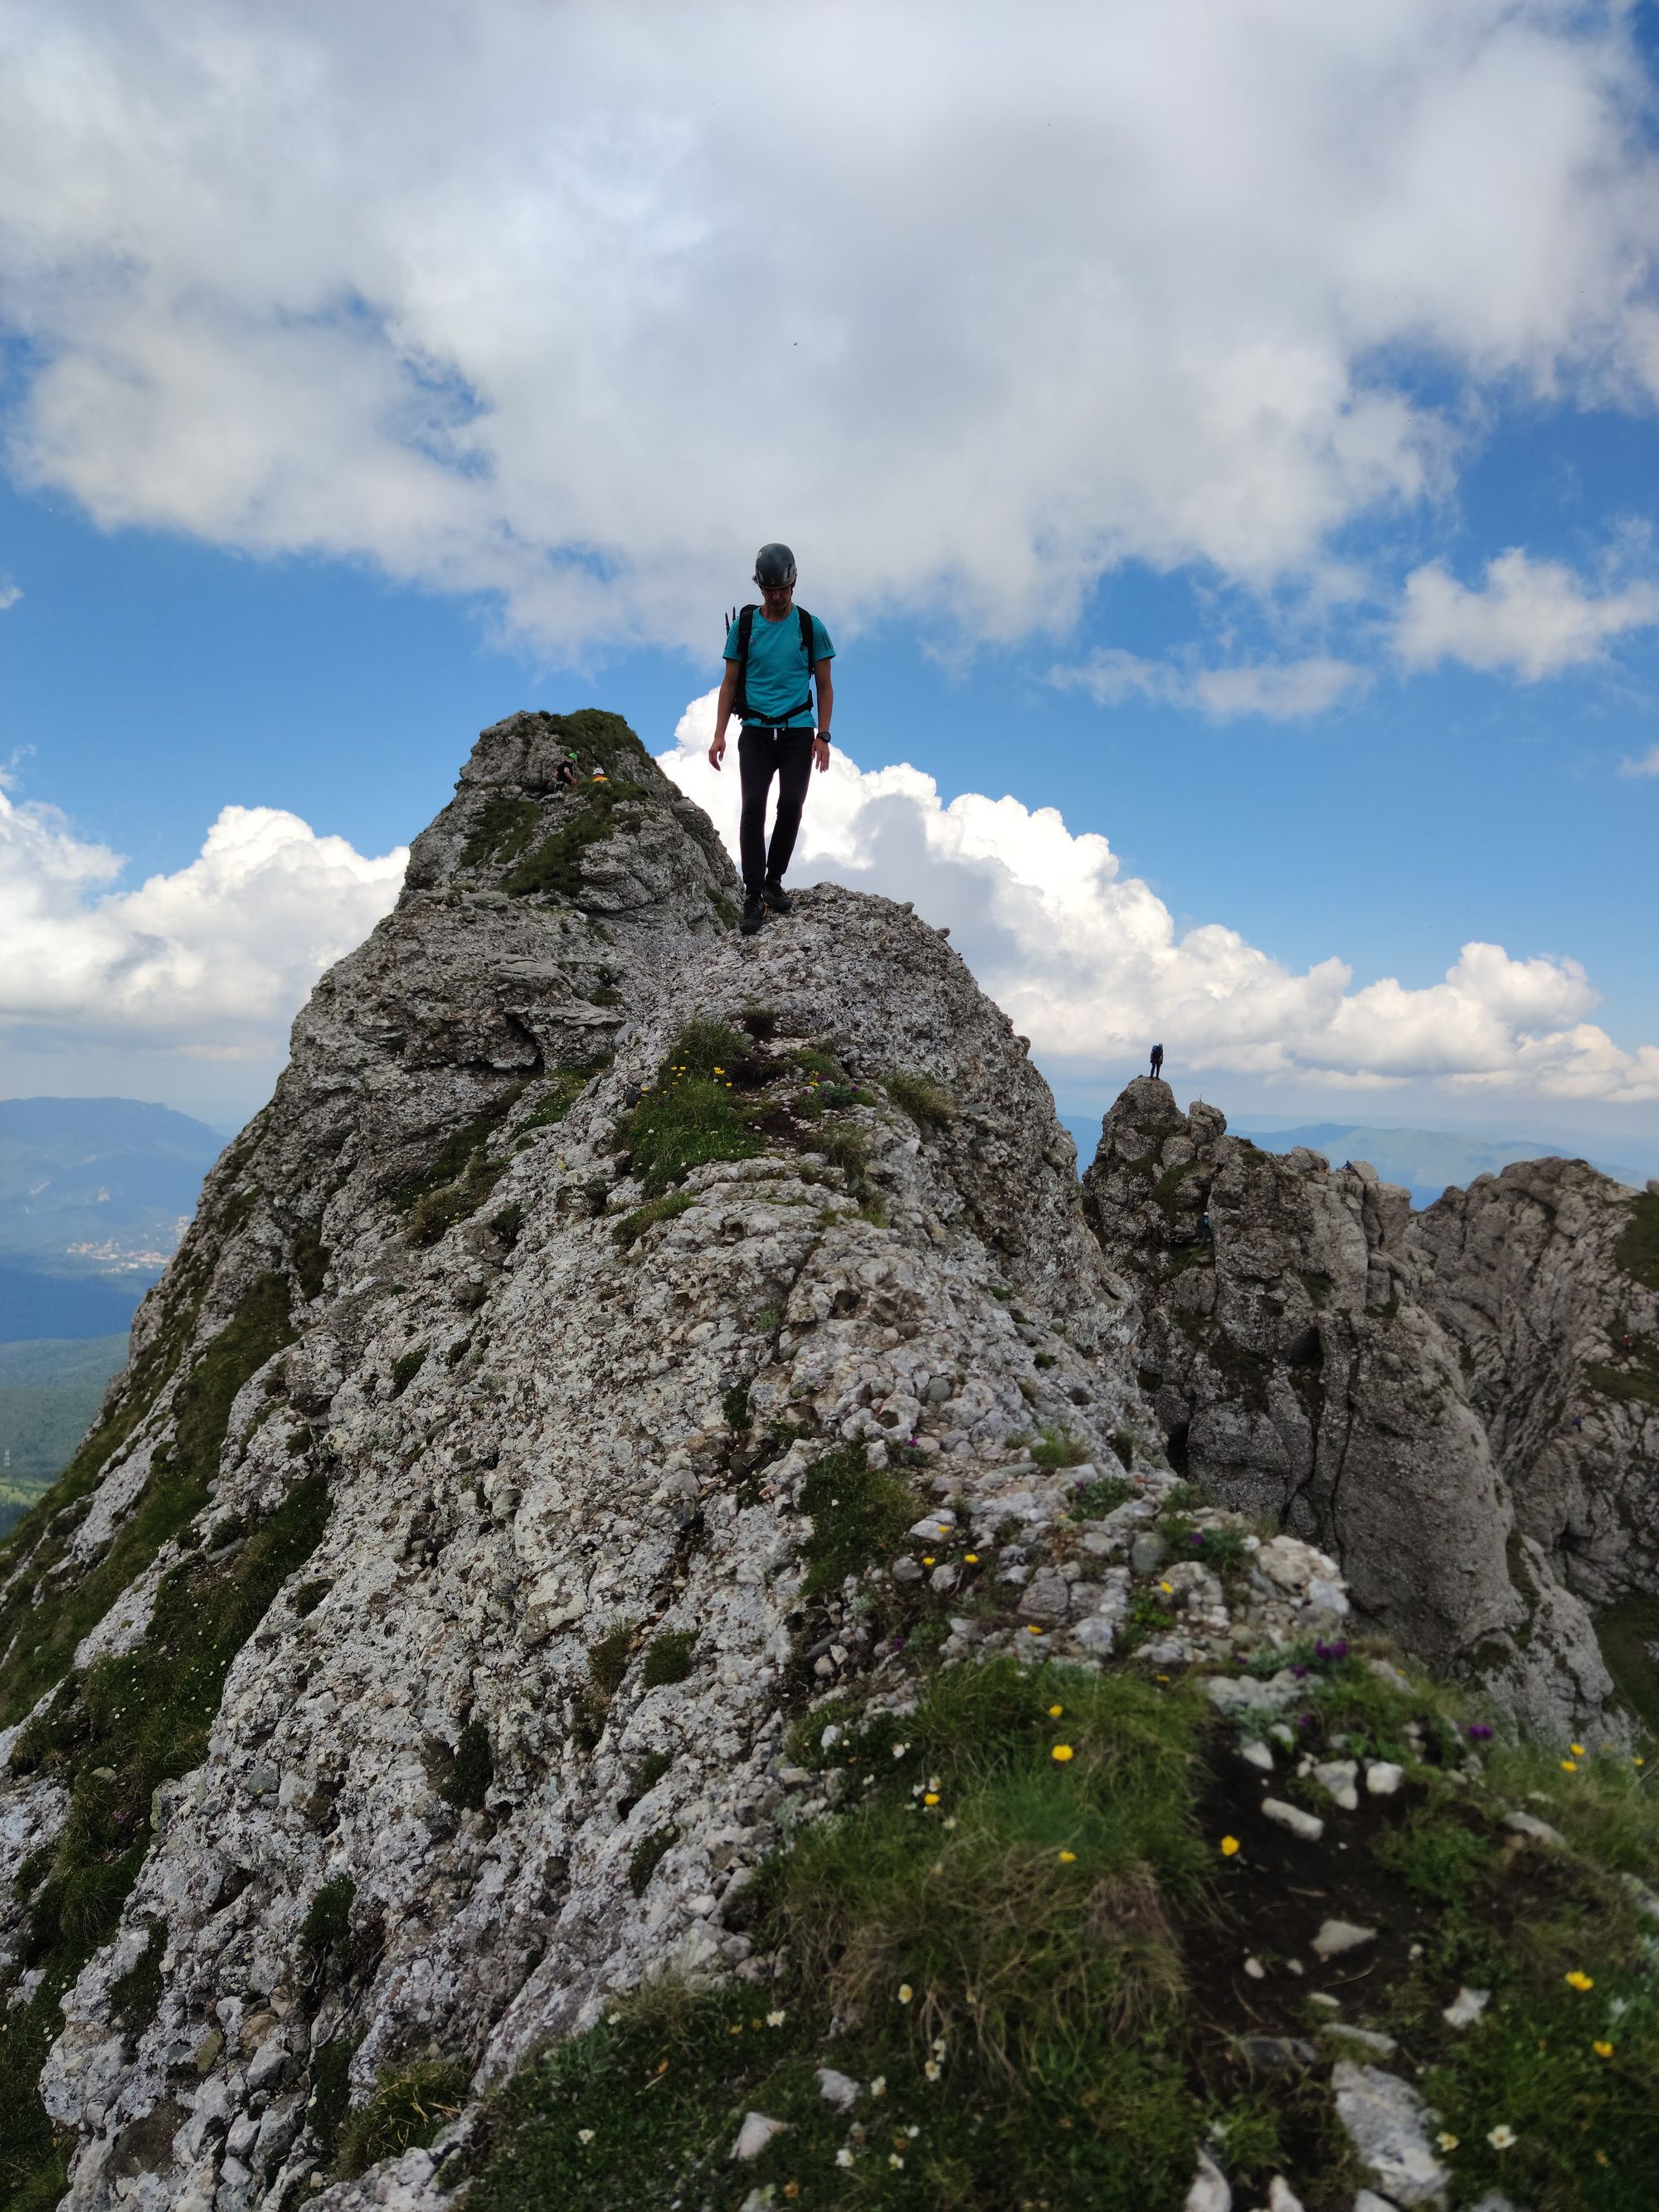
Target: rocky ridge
[(468, 1532), (1306, 1343)]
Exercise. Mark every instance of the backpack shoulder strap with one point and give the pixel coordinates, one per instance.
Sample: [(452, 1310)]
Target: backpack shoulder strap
[(806, 634), (745, 629)]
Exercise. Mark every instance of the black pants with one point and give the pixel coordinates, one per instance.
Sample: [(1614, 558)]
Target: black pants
[(762, 755)]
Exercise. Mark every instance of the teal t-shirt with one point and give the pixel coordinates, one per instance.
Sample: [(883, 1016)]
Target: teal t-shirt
[(779, 676)]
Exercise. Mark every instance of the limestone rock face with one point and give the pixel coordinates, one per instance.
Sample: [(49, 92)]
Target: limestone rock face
[(404, 1668), (1547, 1279), (1299, 1371), (520, 1465)]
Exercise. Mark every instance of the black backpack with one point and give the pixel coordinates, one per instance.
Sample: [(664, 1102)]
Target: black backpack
[(745, 628)]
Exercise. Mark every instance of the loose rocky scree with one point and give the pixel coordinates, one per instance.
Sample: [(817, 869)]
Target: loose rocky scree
[(669, 1614)]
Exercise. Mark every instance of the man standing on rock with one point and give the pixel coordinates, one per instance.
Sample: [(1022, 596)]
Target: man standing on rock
[(775, 652), (1158, 1062)]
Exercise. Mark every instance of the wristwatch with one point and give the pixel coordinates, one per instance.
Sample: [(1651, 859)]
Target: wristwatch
[(822, 736)]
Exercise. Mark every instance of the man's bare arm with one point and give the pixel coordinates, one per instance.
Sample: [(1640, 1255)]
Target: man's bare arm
[(723, 712), (826, 709)]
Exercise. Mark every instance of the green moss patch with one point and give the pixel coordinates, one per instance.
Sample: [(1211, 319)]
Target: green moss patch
[(504, 827), (668, 1658), (462, 1776), (647, 1856), (326, 1931), (406, 1368), (555, 866), (311, 1259)]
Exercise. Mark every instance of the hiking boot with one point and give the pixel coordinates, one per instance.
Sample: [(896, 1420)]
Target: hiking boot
[(777, 899), (754, 913)]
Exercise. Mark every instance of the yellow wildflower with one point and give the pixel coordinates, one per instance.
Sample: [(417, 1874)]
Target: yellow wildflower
[(1031, 1629), (1570, 1766), (927, 1560), (1229, 1846), (1580, 1981), (1168, 1589), (1603, 2050), (1054, 1711), (1062, 1752), (1577, 1749), (931, 1797), (1068, 1858), (972, 1557)]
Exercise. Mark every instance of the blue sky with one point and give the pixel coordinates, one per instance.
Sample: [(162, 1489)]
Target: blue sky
[(1209, 569)]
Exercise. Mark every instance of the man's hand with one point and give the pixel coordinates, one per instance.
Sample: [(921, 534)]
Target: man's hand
[(716, 751), (820, 754)]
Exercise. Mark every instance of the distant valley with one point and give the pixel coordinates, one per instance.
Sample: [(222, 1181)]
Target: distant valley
[(93, 1195)]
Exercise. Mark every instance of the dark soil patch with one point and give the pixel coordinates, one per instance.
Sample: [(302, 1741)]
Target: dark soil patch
[(1282, 1889)]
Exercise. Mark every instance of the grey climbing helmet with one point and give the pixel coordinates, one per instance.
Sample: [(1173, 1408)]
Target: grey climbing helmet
[(775, 564)]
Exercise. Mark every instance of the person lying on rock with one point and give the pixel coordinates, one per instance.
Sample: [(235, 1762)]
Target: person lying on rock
[(775, 653)]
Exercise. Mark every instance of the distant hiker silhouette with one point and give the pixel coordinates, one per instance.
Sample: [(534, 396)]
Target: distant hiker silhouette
[(1158, 1061), (772, 663)]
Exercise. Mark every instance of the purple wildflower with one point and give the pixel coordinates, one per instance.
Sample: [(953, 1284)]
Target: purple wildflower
[(1478, 1732), (1300, 1673)]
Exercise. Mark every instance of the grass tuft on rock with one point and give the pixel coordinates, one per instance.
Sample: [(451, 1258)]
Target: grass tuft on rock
[(928, 1102), (861, 1516), (1046, 1997), (408, 2110)]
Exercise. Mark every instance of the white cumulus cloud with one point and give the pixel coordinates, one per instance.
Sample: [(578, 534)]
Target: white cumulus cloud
[(1089, 963), (1279, 690), (1532, 618), (1646, 764), (212, 961), (574, 304)]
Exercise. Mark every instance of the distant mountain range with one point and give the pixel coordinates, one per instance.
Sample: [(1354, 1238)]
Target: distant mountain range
[(94, 1194), (1426, 1161)]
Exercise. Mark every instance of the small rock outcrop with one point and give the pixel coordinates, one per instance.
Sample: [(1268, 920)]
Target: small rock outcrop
[(1299, 1371)]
